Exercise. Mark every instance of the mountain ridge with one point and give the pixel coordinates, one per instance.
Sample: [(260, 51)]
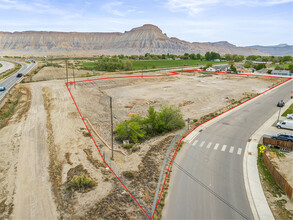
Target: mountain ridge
[(139, 40), (276, 50)]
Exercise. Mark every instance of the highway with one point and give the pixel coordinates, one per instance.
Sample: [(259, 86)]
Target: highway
[(9, 82), (207, 181), (6, 66)]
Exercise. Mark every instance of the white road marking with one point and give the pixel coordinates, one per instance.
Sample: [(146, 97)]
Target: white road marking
[(209, 145), (224, 148), (195, 142), (202, 143), (239, 151), (231, 150), (216, 146)]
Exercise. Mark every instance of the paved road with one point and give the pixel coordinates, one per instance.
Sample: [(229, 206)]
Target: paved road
[(5, 66), (11, 80), (208, 182)]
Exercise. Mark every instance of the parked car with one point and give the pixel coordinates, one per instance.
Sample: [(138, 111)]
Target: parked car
[(285, 124), (290, 116), (2, 88), (19, 75), (283, 137), (281, 103)]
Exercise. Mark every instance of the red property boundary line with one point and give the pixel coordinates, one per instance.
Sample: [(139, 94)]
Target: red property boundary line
[(172, 74)]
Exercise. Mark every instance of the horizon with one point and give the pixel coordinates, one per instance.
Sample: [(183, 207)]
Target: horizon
[(242, 23), (48, 31)]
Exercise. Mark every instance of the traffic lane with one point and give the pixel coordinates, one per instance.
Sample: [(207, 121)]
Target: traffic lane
[(243, 123), (203, 182), (224, 161), (9, 82)]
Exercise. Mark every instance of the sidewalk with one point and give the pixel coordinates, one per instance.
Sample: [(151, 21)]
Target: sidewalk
[(256, 197)]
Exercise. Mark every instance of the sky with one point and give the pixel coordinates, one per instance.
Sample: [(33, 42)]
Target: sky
[(240, 22)]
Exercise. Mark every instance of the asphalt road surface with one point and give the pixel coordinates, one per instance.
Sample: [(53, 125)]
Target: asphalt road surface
[(208, 182), (5, 66), (9, 82)]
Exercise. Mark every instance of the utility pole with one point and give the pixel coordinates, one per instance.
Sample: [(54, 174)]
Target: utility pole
[(73, 75), (111, 127), (66, 66), (279, 114)]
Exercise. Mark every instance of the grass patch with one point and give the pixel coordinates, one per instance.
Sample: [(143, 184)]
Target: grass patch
[(13, 103), (278, 152), (285, 66), (275, 189), (128, 175), (81, 182), (153, 64), (288, 111)]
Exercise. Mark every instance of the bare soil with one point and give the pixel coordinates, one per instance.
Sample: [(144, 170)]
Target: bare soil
[(51, 73), (55, 139), (10, 141)]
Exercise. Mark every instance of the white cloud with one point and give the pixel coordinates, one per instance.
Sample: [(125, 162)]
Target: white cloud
[(193, 7), (113, 8)]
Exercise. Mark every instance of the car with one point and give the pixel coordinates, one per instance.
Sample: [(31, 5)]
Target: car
[(281, 103), (2, 88), (283, 137), (290, 116), (19, 75)]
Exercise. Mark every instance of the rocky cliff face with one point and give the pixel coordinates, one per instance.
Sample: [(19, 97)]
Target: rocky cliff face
[(140, 40)]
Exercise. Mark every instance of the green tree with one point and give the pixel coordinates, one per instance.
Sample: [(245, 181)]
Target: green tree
[(128, 65), (233, 69), (290, 67), (198, 56), (172, 117), (131, 130)]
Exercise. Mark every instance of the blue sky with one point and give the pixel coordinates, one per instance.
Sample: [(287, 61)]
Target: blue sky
[(241, 22)]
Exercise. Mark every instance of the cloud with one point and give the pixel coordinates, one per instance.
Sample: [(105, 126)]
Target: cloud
[(193, 7), (112, 8), (36, 7)]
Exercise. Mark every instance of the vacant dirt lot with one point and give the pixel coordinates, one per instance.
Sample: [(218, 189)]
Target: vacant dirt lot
[(54, 126), (51, 73)]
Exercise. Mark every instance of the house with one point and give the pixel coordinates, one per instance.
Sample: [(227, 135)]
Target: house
[(221, 68), (281, 72), (211, 69)]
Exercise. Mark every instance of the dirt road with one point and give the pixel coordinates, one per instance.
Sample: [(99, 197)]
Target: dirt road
[(33, 197)]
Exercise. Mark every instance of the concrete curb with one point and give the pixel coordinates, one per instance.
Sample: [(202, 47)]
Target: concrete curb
[(258, 202)]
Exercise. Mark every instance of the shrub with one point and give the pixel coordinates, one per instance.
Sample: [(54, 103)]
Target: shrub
[(137, 129), (80, 182), (134, 148), (127, 146), (131, 130), (128, 174)]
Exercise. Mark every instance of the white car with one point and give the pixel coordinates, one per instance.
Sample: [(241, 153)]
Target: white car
[(290, 116)]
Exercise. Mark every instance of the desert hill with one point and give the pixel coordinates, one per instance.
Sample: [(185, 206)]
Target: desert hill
[(140, 40)]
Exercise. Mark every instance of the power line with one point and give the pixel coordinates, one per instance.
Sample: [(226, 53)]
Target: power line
[(210, 190)]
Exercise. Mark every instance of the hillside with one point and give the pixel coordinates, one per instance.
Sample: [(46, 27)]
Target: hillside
[(277, 50), (140, 40)]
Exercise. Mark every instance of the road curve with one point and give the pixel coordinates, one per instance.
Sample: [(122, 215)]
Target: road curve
[(6, 66), (9, 82), (207, 181)]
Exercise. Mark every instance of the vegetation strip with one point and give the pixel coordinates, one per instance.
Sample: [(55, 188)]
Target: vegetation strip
[(270, 185), (10, 72)]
